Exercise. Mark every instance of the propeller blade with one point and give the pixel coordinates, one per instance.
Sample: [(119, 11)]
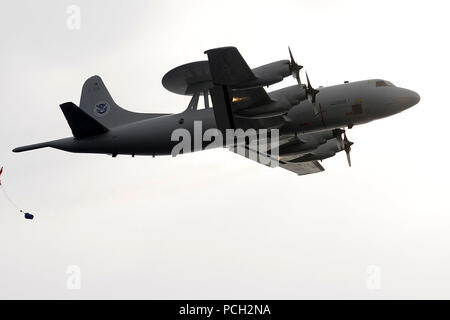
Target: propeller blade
[(295, 68), (310, 90), (338, 135), (297, 77), (290, 54), (307, 81), (349, 160), (348, 147), (340, 141), (316, 109)]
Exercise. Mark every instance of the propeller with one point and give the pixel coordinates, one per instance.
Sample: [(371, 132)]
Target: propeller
[(295, 68), (310, 90), (348, 147), (338, 135)]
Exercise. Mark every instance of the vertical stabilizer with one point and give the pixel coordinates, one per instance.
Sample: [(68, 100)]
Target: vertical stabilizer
[(98, 103)]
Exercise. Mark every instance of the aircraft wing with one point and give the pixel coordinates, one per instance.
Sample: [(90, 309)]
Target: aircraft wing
[(228, 67), (300, 168), (247, 98), (235, 108)]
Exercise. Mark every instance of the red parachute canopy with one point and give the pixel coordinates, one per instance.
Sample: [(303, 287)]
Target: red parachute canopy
[(1, 171)]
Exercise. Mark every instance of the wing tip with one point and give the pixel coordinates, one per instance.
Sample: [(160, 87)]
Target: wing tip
[(220, 49)]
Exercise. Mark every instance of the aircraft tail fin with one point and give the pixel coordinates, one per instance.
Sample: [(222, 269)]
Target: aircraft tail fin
[(98, 103), (82, 124)]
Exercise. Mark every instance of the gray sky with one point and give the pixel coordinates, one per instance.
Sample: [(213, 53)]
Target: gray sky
[(213, 224)]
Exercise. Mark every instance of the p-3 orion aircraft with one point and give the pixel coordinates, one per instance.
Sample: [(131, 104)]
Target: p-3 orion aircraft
[(311, 121)]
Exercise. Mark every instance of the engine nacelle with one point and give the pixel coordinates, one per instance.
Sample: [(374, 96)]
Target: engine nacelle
[(267, 74), (195, 77), (324, 151), (309, 142)]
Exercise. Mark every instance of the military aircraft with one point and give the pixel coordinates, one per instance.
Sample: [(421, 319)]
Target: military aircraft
[(310, 121)]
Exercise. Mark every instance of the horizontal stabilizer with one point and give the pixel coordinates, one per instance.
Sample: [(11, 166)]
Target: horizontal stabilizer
[(32, 147), (82, 124)]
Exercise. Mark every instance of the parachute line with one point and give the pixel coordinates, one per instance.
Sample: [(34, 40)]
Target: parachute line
[(9, 199), (26, 214)]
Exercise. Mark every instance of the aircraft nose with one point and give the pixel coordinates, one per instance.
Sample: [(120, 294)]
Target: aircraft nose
[(416, 97), (407, 99)]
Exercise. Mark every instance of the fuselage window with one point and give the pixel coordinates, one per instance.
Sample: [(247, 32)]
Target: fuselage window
[(383, 83)]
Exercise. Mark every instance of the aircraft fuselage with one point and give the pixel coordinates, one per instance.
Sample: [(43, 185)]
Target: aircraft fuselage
[(337, 106)]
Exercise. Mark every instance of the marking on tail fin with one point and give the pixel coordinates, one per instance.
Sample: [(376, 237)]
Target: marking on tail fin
[(101, 108)]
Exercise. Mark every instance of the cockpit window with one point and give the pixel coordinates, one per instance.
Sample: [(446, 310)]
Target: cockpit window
[(383, 83)]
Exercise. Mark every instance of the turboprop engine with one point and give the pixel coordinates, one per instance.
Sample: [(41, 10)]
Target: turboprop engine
[(328, 149), (305, 143), (324, 151), (272, 73), (195, 77), (267, 75)]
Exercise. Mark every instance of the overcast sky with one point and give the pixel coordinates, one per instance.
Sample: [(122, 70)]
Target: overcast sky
[(212, 224)]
